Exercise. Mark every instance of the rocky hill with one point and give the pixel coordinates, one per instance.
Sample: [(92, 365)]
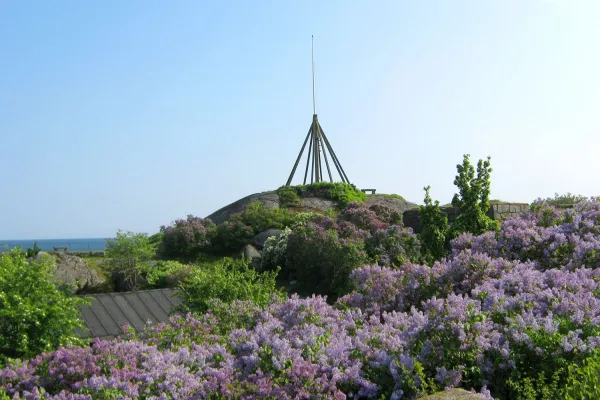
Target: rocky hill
[(306, 204), (311, 203)]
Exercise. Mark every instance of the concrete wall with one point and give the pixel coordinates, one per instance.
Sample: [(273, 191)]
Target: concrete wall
[(497, 211)]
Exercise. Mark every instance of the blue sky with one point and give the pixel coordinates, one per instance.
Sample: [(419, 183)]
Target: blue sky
[(130, 114)]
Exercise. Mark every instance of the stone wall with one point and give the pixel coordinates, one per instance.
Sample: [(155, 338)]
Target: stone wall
[(497, 211)]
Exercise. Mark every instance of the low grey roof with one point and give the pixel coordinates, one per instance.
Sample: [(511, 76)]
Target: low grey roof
[(108, 313)]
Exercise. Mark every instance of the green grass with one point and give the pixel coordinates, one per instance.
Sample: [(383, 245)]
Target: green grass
[(389, 196), (98, 264)]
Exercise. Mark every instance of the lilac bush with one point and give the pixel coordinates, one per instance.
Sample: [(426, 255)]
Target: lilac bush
[(187, 237), (322, 260), (298, 348), (393, 246), (323, 252), (550, 236), (362, 217), (510, 312), (386, 214)]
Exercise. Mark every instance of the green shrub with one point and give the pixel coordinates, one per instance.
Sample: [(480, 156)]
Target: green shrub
[(165, 273), (227, 281), (473, 198), (435, 229), (240, 229), (35, 316), (536, 388), (261, 218), (583, 381), (288, 196), (32, 252), (156, 239), (542, 364), (305, 217), (232, 235), (342, 193), (321, 260), (392, 196), (564, 199), (129, 254)]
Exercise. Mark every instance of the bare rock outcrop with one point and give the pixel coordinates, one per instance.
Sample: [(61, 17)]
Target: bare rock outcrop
[(316, 204), (250, 252), (394, 203), (259, 240), (73, 270), (454, 394), (268, 199)]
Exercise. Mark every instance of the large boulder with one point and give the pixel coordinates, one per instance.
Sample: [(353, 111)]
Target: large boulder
[(454, 394), (259, 240), (316, 204), (253, 255), (74, 271), (268, 199), (394, 203), (250, 252)]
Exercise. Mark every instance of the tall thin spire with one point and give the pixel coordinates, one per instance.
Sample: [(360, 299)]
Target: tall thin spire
[(318, 145), (312, 43)]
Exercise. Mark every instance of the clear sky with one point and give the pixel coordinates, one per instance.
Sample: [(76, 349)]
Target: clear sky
[(130, 114)]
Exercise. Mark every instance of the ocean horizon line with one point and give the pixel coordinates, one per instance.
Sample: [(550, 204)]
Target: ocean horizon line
[(71, 244), (73, 238)]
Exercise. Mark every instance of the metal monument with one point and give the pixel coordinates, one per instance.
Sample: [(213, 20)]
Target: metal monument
[(319, 146)]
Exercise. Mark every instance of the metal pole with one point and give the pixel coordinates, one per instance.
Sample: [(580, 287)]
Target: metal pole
[(312, 39), (317, 150), (298, 159), (312, 172), (326, 162), (308, 158), (335, 159)]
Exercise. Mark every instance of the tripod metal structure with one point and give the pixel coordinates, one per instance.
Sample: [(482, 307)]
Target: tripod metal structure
[(318, 148)]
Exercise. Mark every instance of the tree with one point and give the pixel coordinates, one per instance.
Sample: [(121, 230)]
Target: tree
[(435, 229), (473, 198), (35, 316), (129, 254)]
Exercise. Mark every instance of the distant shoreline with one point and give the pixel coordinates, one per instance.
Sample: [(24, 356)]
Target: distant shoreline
[(72, 245)]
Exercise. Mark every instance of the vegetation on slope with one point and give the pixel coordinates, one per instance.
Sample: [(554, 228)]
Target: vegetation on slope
[(513, 309), (342, 193)]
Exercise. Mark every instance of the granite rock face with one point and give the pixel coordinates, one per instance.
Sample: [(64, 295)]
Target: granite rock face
[(253, 255), (316, 204), (454, 394), (395, 204), (73, 270), (259, 240), (312, 202), (250, 252), (268, 199)]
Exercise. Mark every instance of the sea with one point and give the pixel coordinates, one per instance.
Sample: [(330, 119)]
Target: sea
[(89, 244)]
